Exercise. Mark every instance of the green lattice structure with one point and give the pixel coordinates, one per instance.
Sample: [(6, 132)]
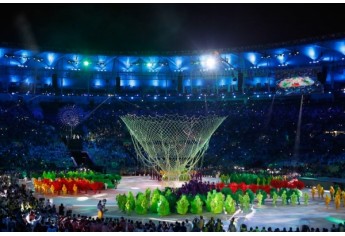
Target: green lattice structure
[(171, 144)]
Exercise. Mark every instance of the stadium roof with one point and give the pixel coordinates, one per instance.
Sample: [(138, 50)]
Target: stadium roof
[(113, 28)]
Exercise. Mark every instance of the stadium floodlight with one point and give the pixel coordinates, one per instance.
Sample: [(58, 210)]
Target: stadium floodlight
[(211, 63), (171, 144)]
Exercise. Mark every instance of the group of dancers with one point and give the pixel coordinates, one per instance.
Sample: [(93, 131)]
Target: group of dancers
[(194, 175), (335, 194)]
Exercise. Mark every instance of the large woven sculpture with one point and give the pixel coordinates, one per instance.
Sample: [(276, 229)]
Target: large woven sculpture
[(171, 144)]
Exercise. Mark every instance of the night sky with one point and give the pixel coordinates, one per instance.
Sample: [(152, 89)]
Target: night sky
[(164, 27)]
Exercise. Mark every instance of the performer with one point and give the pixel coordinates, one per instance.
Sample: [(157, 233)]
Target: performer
[(313, 191), (263, 181), (337, 201), (331, 191), (327, 200), (246, 202), (322, 192), (100, 210), (52, 189), (338, 192), (64, 189), (75, 189), (318, 190), (104, 201), (306, 198), (259, 197), (284, 197), (275, 198), (293, 199)]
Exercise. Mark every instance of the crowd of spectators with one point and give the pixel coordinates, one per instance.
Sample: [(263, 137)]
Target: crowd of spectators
[(198, 224), (18, 204), (27, 141), (256, 133)]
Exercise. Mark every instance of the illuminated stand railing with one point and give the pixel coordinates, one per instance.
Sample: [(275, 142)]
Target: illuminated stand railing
[(58, 73)]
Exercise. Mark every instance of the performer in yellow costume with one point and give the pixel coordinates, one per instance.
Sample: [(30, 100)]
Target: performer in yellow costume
[(45, 188), (100, 210), (52, 189), (337, 201), (338, 192), (322, 191), (75, 189), (313, 191), (327, 200), (331, 191), (318, 187), (64, 189)]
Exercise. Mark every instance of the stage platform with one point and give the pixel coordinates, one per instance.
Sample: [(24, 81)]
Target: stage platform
[(314, 215)]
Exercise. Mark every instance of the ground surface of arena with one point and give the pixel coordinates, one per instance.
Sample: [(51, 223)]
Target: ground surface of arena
[(314, 214)]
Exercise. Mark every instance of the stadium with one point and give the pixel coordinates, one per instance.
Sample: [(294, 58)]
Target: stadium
[(246, 138)]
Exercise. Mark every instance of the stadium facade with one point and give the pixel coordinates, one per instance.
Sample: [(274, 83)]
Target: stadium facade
[(228, 71)]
